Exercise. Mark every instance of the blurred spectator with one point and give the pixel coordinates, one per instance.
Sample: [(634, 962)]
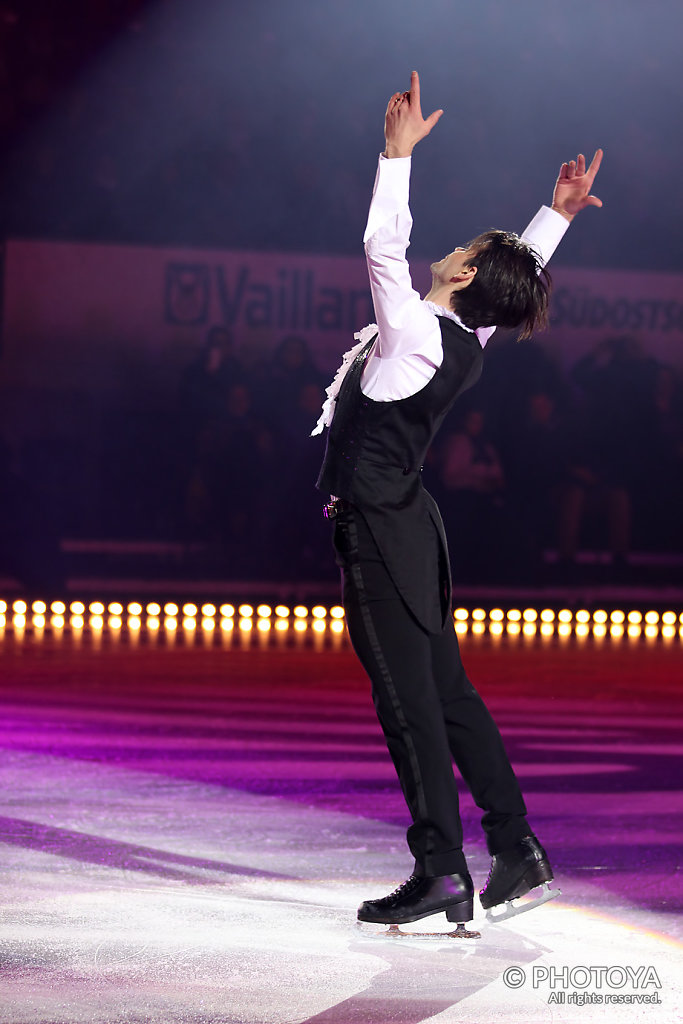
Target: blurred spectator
[(471, 488), (617, 384), (288, 370), (303, 539), (537, 468), (205, 383), (229, 479), (661, 496)]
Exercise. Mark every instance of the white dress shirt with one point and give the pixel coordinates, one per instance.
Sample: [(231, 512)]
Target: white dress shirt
[(408, 350)]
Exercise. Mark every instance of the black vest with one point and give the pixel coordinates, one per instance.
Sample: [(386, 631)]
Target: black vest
[(374, 456)]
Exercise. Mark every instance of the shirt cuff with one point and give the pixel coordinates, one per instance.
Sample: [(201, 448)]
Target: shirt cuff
[(390, 194), (545, 232)]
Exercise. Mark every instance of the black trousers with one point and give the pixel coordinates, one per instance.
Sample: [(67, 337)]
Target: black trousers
[(429, 711)]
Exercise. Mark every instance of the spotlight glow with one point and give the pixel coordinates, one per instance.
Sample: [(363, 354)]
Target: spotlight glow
[(227, 611)]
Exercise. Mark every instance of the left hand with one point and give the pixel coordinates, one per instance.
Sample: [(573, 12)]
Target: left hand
[(573, 185)]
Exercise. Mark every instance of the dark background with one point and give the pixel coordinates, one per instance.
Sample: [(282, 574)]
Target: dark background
[(257, 126)]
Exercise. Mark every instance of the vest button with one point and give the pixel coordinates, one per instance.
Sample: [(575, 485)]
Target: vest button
[(406, 471)]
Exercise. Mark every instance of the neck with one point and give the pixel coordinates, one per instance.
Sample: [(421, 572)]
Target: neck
[(440, 294)]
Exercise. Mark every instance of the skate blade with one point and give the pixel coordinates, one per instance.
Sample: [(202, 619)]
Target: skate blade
[(394, 931), (514, 909)]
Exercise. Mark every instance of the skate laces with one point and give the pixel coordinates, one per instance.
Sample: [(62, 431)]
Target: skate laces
[(404, 887)]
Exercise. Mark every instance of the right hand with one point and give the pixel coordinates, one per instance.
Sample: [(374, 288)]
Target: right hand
[(404, 124)]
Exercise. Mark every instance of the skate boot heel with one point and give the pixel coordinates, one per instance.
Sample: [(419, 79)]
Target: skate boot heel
[(539, 873), (460, 912)]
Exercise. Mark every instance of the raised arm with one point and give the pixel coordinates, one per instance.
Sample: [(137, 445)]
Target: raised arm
[(572, 193), (406, 326)]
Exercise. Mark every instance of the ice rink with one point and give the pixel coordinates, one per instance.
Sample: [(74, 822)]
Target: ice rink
[(189, 824)]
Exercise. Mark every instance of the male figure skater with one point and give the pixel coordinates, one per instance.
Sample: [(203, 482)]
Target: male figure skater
[(383, 410)]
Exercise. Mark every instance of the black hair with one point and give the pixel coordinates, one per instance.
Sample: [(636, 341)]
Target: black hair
[(510, 289)]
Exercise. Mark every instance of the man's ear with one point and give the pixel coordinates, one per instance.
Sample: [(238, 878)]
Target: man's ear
[(465, 277)]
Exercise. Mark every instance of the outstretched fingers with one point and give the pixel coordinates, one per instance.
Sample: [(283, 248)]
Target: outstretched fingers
[(415, 89), (595, 165)]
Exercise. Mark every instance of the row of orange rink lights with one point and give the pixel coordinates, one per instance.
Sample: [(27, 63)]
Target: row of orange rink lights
[(170, 615), (565, 622), (263, 618)]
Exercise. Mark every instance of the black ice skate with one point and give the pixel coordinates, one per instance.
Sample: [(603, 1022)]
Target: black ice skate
[(514, 873), (418, 898)]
